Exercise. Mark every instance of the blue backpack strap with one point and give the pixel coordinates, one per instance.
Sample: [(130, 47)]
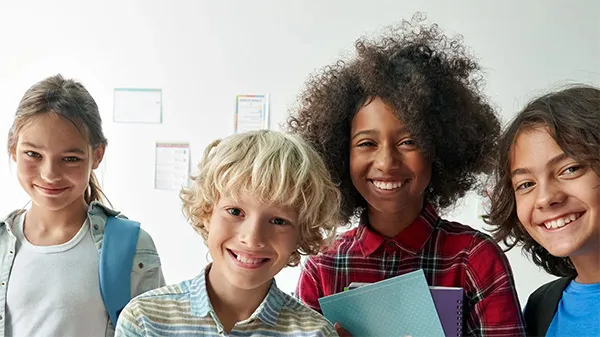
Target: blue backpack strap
[(116, 261)]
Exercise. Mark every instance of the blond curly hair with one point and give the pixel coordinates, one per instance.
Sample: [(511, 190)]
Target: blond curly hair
[(278, 169)]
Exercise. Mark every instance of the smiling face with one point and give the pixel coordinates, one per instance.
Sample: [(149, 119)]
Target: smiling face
[(387, 167), (250, 242), (54, 162), (557, 197)]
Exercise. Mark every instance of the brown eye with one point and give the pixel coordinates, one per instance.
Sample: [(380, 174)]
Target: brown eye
[(32, 154), (234, 211), (279, 221), (525, 185), (366, 144)]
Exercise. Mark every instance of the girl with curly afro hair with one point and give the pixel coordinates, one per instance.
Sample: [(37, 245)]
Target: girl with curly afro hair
[(547, 198), (405, 131)]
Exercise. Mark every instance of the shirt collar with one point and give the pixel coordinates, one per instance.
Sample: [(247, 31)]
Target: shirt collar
[(199, 301), (268, 310), (411, 240)]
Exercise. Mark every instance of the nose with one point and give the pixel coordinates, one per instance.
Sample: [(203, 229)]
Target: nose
[(252, 233), (50, 171), (548, 195), (387, 158)]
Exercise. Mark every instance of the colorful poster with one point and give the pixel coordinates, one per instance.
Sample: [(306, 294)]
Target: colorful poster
[(251, 113)]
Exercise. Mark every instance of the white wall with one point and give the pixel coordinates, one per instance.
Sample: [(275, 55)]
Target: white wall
[(202, 53)]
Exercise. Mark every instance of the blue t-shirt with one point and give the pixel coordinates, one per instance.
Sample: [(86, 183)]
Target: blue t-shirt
[(578, 312)]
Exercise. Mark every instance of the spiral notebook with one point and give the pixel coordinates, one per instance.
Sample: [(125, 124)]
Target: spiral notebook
[(448, 304), (398, 306)]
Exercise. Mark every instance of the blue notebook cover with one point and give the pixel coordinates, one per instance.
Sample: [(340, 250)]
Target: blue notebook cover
[(398, 306)]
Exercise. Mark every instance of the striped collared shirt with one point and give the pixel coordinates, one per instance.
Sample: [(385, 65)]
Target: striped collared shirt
[(184, 309)]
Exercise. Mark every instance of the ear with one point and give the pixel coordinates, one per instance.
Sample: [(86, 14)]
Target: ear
[(13, 154), (97, 156)]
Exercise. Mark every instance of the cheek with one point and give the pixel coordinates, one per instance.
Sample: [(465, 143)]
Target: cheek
[(524, 210), (26, 168), (286, 241), (356, 162), (80, 172), (420, 166)]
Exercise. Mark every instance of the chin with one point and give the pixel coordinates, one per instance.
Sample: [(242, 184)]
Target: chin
[(562, 251)]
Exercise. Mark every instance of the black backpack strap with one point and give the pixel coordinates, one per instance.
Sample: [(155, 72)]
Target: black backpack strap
[(542, 306)]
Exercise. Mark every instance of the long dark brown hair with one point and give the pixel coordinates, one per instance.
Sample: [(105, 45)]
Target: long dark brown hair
[(573, 118), (434, 87)]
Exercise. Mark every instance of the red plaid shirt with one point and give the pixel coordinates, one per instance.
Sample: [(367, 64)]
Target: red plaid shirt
[(449, 253)]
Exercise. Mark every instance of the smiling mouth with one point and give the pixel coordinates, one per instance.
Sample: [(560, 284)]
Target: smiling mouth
[(387, 185), (562, 222), (52, 190), (247, 260)]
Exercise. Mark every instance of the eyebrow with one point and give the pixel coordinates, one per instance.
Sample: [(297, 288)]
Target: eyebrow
[(556, 159), (71, 150), (373, 132)]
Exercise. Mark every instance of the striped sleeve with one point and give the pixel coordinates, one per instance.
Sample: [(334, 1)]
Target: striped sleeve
[(129, 324)]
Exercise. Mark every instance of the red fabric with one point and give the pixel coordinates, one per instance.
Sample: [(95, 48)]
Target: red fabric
[(449, 253)]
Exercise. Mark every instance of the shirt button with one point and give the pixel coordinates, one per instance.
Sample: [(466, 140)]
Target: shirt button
[(391, 244), (3, 284), (141, 265), (10, 252), (95, 227)]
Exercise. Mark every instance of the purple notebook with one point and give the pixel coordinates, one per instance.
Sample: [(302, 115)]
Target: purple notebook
[(448, 302), (449, 305)]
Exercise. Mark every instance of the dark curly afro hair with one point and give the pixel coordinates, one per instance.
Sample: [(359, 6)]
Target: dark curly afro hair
[(434, 88)]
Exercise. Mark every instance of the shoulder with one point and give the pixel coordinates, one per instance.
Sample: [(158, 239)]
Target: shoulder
[(99, 214), (551, 288), (466, 238), (298, 316), (170, 293), (145, 242), (344, 242), (10, 218)]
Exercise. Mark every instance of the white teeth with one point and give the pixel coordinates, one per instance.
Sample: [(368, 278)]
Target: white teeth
[(247, 260), (561, 222), (383, 185)]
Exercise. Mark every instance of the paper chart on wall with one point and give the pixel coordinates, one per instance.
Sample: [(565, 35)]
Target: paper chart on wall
[(137, 106), (251, 113), (172, 168)]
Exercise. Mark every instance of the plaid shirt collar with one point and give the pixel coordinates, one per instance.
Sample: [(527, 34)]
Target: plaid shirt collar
[(411, 240)]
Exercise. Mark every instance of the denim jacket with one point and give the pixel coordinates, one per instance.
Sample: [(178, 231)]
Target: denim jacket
[(146, 272)]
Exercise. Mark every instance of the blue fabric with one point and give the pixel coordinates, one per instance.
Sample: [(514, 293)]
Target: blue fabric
[(116, 258), (578, 312)]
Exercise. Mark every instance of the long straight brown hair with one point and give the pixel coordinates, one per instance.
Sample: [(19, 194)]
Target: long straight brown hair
[(67, 99)]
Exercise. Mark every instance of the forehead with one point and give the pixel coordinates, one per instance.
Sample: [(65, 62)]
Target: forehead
[(53, 132), (533, 147), (376, 115)]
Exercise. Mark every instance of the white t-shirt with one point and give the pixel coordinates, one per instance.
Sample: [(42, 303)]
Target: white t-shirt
[(54, 290)]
